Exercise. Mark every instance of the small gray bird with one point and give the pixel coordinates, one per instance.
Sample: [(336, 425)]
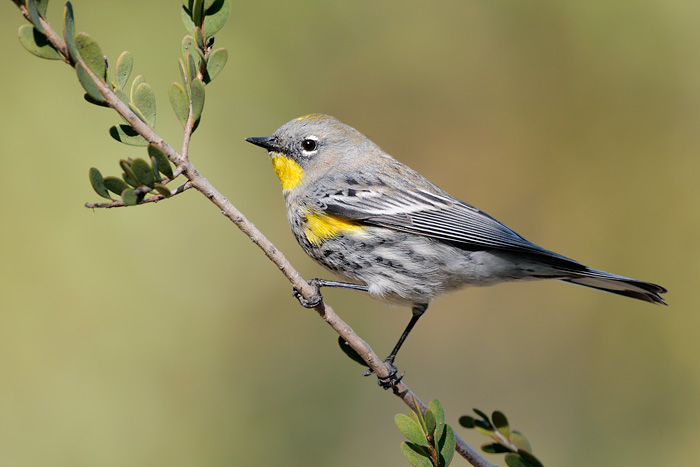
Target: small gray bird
[(390, 232)]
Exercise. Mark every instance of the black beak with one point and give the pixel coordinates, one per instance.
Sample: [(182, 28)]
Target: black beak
[(268, 142)]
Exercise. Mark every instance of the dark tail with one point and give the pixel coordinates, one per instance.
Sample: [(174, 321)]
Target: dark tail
[(619, 285)]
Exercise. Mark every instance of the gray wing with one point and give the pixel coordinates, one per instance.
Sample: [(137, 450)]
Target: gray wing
[(429, 212)]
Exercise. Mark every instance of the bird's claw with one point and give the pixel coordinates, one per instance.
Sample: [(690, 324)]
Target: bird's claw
[(389, 381), (315, 301)]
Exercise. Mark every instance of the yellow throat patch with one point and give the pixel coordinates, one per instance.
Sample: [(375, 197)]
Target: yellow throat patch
[(288, 171), (321, 226)]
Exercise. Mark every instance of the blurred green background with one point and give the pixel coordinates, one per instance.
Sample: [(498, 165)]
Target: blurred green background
[(160, 335)]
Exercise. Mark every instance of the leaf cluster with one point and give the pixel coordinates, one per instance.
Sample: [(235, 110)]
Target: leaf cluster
[(199, 65), (513, 443), (431, 442), (138, 178)]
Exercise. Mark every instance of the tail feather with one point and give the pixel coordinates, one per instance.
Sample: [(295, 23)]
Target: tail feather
[(601, 280)]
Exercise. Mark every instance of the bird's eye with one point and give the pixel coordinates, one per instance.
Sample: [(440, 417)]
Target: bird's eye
[(309, 145)]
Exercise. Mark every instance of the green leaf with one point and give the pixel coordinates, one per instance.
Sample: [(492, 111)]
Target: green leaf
[(197, 94), (436, 407), (130, 180), (161, 159), (446, 446), (95, 102), (482, 415), (127, 135), (501, 423), (411, 429), (122, 96), (36, 43), (69, 33), (91, 54), (350, 352), (138, 112), (34, 16), (466, 421), (216, 62), (520, 441), (179, 101), (129, 197), (216, 16), (430, 422), (514, 460), (163, 190), (97, 183), (138, 80), (145, 100), (41, 6), (189, 45), (191, 67), (115, 184), (88, 84), (494, 448), (197, 11), (416, 455), (199, 37), (531, 460), (125, 64), (186, 15), (143, 172)]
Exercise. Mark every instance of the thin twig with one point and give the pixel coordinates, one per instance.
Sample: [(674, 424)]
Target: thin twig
[(308, 292), (150, 199)]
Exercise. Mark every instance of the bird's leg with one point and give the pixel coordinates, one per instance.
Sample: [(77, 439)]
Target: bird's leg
[(318, 283), (392, 380)]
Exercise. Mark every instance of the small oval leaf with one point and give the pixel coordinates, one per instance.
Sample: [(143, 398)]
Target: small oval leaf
[(447, 446), (466, 421), (34, 15), (216, 62), (127, 135), (88, 84), (350, 352), (42, 5), (138, 80), (520, 441), (164, 166), (129, 197), (430, 422), (36, 43), (436, 407), (91, 54), (179, 101), (197, 90), (415, 455), (494, 448), (115, 184), (163, 190), (501, 423), (143, 172), (216, 16), (97, 183), (69, 33), (125, 64), (192, 66), (411, 429), (145, 100)]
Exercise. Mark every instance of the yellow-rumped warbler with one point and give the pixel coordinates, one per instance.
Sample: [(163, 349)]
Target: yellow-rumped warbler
[(390, 232)]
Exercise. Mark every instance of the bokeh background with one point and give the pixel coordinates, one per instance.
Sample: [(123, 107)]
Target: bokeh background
[(160, 335)]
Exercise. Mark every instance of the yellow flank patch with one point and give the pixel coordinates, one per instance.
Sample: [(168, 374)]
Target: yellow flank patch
[(321, 226), (289, 172)]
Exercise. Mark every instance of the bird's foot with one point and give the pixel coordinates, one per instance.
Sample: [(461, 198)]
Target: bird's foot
[(391, 380), (316, 299)]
